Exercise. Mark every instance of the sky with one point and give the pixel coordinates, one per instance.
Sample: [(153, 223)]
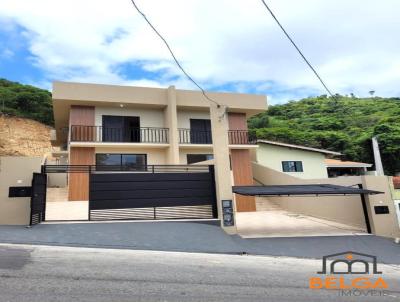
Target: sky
[(225, 45)]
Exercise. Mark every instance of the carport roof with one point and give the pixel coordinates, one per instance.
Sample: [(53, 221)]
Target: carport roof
[(309, 189)]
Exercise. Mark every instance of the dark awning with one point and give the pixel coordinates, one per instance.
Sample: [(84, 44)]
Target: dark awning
[(310, 189)]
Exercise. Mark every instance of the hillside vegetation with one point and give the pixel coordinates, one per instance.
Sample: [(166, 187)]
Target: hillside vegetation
[(26, 101), (343, 124)]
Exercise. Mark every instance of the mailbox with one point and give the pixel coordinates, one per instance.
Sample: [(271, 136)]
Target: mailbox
[(19, 192), (381, 209)]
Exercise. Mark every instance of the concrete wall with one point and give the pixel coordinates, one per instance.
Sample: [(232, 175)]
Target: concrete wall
[(272, 156), (171, 122), (383, 224), (223, 175), (344, 209), (16, 171)]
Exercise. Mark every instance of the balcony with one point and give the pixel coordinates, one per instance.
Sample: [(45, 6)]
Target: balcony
[(235, 137), (187, 136), (98, 134), (241, 137)]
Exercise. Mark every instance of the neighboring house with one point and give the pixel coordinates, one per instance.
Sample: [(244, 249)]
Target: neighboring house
[(396, 182), (133, 127), (299, 161), (338, 168)]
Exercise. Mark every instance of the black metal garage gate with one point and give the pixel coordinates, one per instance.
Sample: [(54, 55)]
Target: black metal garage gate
[(152, 192)]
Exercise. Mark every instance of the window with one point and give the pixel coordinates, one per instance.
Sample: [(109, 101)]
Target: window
[(292, 166), (195, 158), (132, 160), (108, 159), (136, 162)]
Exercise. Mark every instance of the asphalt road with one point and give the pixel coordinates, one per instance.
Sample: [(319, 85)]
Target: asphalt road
[(39, 273), (194, 237)]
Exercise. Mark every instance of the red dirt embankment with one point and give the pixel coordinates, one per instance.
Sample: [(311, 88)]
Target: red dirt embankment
[(23, 137)]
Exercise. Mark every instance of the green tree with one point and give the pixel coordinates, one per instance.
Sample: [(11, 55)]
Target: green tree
[(342, 124), (26, 101)]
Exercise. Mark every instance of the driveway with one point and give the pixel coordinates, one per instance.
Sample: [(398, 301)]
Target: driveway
[(194, 237), (67, 210), (281, 223)]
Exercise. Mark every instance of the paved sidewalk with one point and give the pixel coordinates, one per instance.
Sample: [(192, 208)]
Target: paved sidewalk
[(194, 237)]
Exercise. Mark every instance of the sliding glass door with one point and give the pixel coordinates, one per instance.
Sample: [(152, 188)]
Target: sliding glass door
[(200, 131), (121, 128)]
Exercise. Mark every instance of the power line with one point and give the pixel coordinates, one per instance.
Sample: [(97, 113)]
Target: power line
[(298, 50), (173, 55)]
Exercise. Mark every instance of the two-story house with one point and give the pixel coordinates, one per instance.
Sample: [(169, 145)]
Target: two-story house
[(133, 127)]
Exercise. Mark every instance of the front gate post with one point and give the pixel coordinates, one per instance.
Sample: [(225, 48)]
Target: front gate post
[(223, 180)]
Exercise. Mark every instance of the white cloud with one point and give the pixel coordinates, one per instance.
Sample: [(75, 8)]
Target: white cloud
[(6, 53), (352, 43)]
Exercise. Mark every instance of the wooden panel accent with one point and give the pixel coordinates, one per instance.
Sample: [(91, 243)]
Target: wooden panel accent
[(241, 165), (242, 175), (79, 182), (81, 115), (237, 121)]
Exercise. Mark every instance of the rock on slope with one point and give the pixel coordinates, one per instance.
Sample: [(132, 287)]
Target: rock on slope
[(23, 137)]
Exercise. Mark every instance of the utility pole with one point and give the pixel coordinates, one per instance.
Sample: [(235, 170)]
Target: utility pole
[(377, 157)]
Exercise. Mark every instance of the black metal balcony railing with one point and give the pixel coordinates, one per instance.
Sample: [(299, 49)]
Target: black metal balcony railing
[(241, 137), (236, 137), (187, 136), (80, 133), (124, 168)]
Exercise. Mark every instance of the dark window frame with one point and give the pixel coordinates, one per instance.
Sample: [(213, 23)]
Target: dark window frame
[(121, 155), (198, 154), (292, 166)]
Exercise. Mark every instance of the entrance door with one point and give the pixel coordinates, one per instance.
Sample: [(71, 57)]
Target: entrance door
[(38, 198), (200, 131)]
